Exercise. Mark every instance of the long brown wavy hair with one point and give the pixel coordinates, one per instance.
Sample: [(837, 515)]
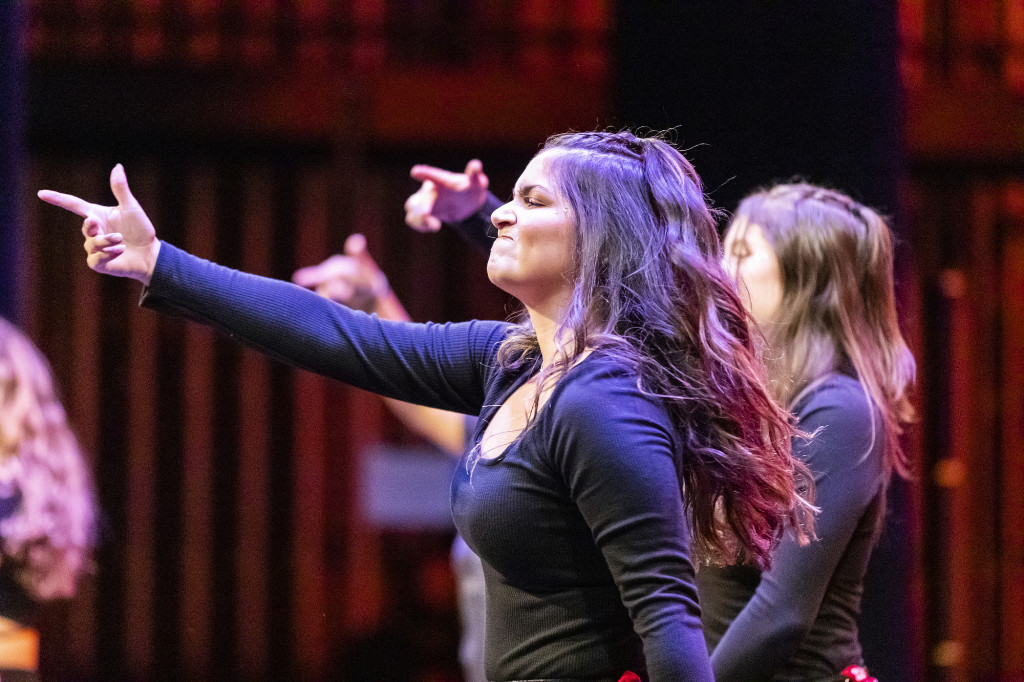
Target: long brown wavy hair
[(50, 535), (649, 290), (838, 302)]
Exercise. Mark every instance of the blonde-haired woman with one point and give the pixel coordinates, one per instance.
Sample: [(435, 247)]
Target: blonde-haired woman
[(815, 270), (47, 506)]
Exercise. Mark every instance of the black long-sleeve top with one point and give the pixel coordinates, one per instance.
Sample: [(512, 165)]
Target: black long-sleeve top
[(579, 523), (798, 620)]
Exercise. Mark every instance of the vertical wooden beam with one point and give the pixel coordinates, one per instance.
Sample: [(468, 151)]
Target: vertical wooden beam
[(973, 538), (951, 652), (197, 394), (141, 474), (1011, 506), (82, 395), (312, 446), (253, 474)]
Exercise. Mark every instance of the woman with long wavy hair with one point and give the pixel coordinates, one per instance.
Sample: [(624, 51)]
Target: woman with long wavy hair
[(624, 413), (47, 506), (815, 270)]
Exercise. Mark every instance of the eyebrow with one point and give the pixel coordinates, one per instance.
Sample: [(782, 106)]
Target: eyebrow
[(523, 191)]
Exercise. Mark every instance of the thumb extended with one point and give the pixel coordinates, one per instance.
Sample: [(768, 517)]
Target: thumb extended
[(119, 186), (355, 248)]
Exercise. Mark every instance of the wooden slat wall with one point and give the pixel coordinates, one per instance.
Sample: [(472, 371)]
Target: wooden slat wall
[(195, 619), (1011, 418), (974, 432), (252, 387), (964, 89), (227, 480), (968, 228), (83, 391), (312, 446)]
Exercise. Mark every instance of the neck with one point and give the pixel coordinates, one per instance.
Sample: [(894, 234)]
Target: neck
[(552, 342), (546, 327)]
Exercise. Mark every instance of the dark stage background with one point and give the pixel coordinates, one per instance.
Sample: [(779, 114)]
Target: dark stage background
[(260, 133)]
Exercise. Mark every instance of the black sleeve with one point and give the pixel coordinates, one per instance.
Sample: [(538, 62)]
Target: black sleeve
[(616, 454), (438, 365), (475, 228), (846, 464)]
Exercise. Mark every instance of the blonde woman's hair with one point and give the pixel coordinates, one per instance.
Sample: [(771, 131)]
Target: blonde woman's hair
[(51, 534), (838, 301)]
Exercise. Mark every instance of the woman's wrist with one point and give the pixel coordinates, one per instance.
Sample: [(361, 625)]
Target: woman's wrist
[(151, 260), (388, 307)]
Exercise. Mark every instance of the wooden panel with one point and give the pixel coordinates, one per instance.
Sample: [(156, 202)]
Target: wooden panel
[(312, 446), (961, 429), (974, 429), (912, 20), (939, 126), (470, 107), (198, 490), (82, 395), (141, 484), (1011, 509), (1013, 67), (254, 392)]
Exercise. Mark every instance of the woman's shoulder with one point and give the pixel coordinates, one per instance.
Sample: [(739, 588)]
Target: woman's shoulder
[(603, 387), (597, 369), (841, 419), (834, 391), (598, 416)]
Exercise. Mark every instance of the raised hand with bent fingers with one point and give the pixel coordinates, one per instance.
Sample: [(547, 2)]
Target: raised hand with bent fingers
[(119, 240), (445, 196), (353, 278)]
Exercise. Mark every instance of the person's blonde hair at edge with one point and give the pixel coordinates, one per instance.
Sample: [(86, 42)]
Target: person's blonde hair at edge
[(51, 534), (838, 302)]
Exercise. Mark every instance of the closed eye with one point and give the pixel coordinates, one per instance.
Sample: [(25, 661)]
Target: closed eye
[(529, 196)]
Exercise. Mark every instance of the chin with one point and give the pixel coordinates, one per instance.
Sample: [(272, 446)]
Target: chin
[(501, 281)]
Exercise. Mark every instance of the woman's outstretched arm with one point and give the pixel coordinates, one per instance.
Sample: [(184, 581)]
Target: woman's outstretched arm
[(445, 366)]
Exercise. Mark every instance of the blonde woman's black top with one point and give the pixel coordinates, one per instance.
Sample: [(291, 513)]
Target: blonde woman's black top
[(798, 620)]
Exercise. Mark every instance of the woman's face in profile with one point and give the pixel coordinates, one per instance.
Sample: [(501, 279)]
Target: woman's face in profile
[(532, 257), (751, 262)]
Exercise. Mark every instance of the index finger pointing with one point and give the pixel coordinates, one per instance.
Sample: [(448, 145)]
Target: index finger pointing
[(439, 176), (68, 202)]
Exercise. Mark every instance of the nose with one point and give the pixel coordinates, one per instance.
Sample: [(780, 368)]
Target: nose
[(503, 216)]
